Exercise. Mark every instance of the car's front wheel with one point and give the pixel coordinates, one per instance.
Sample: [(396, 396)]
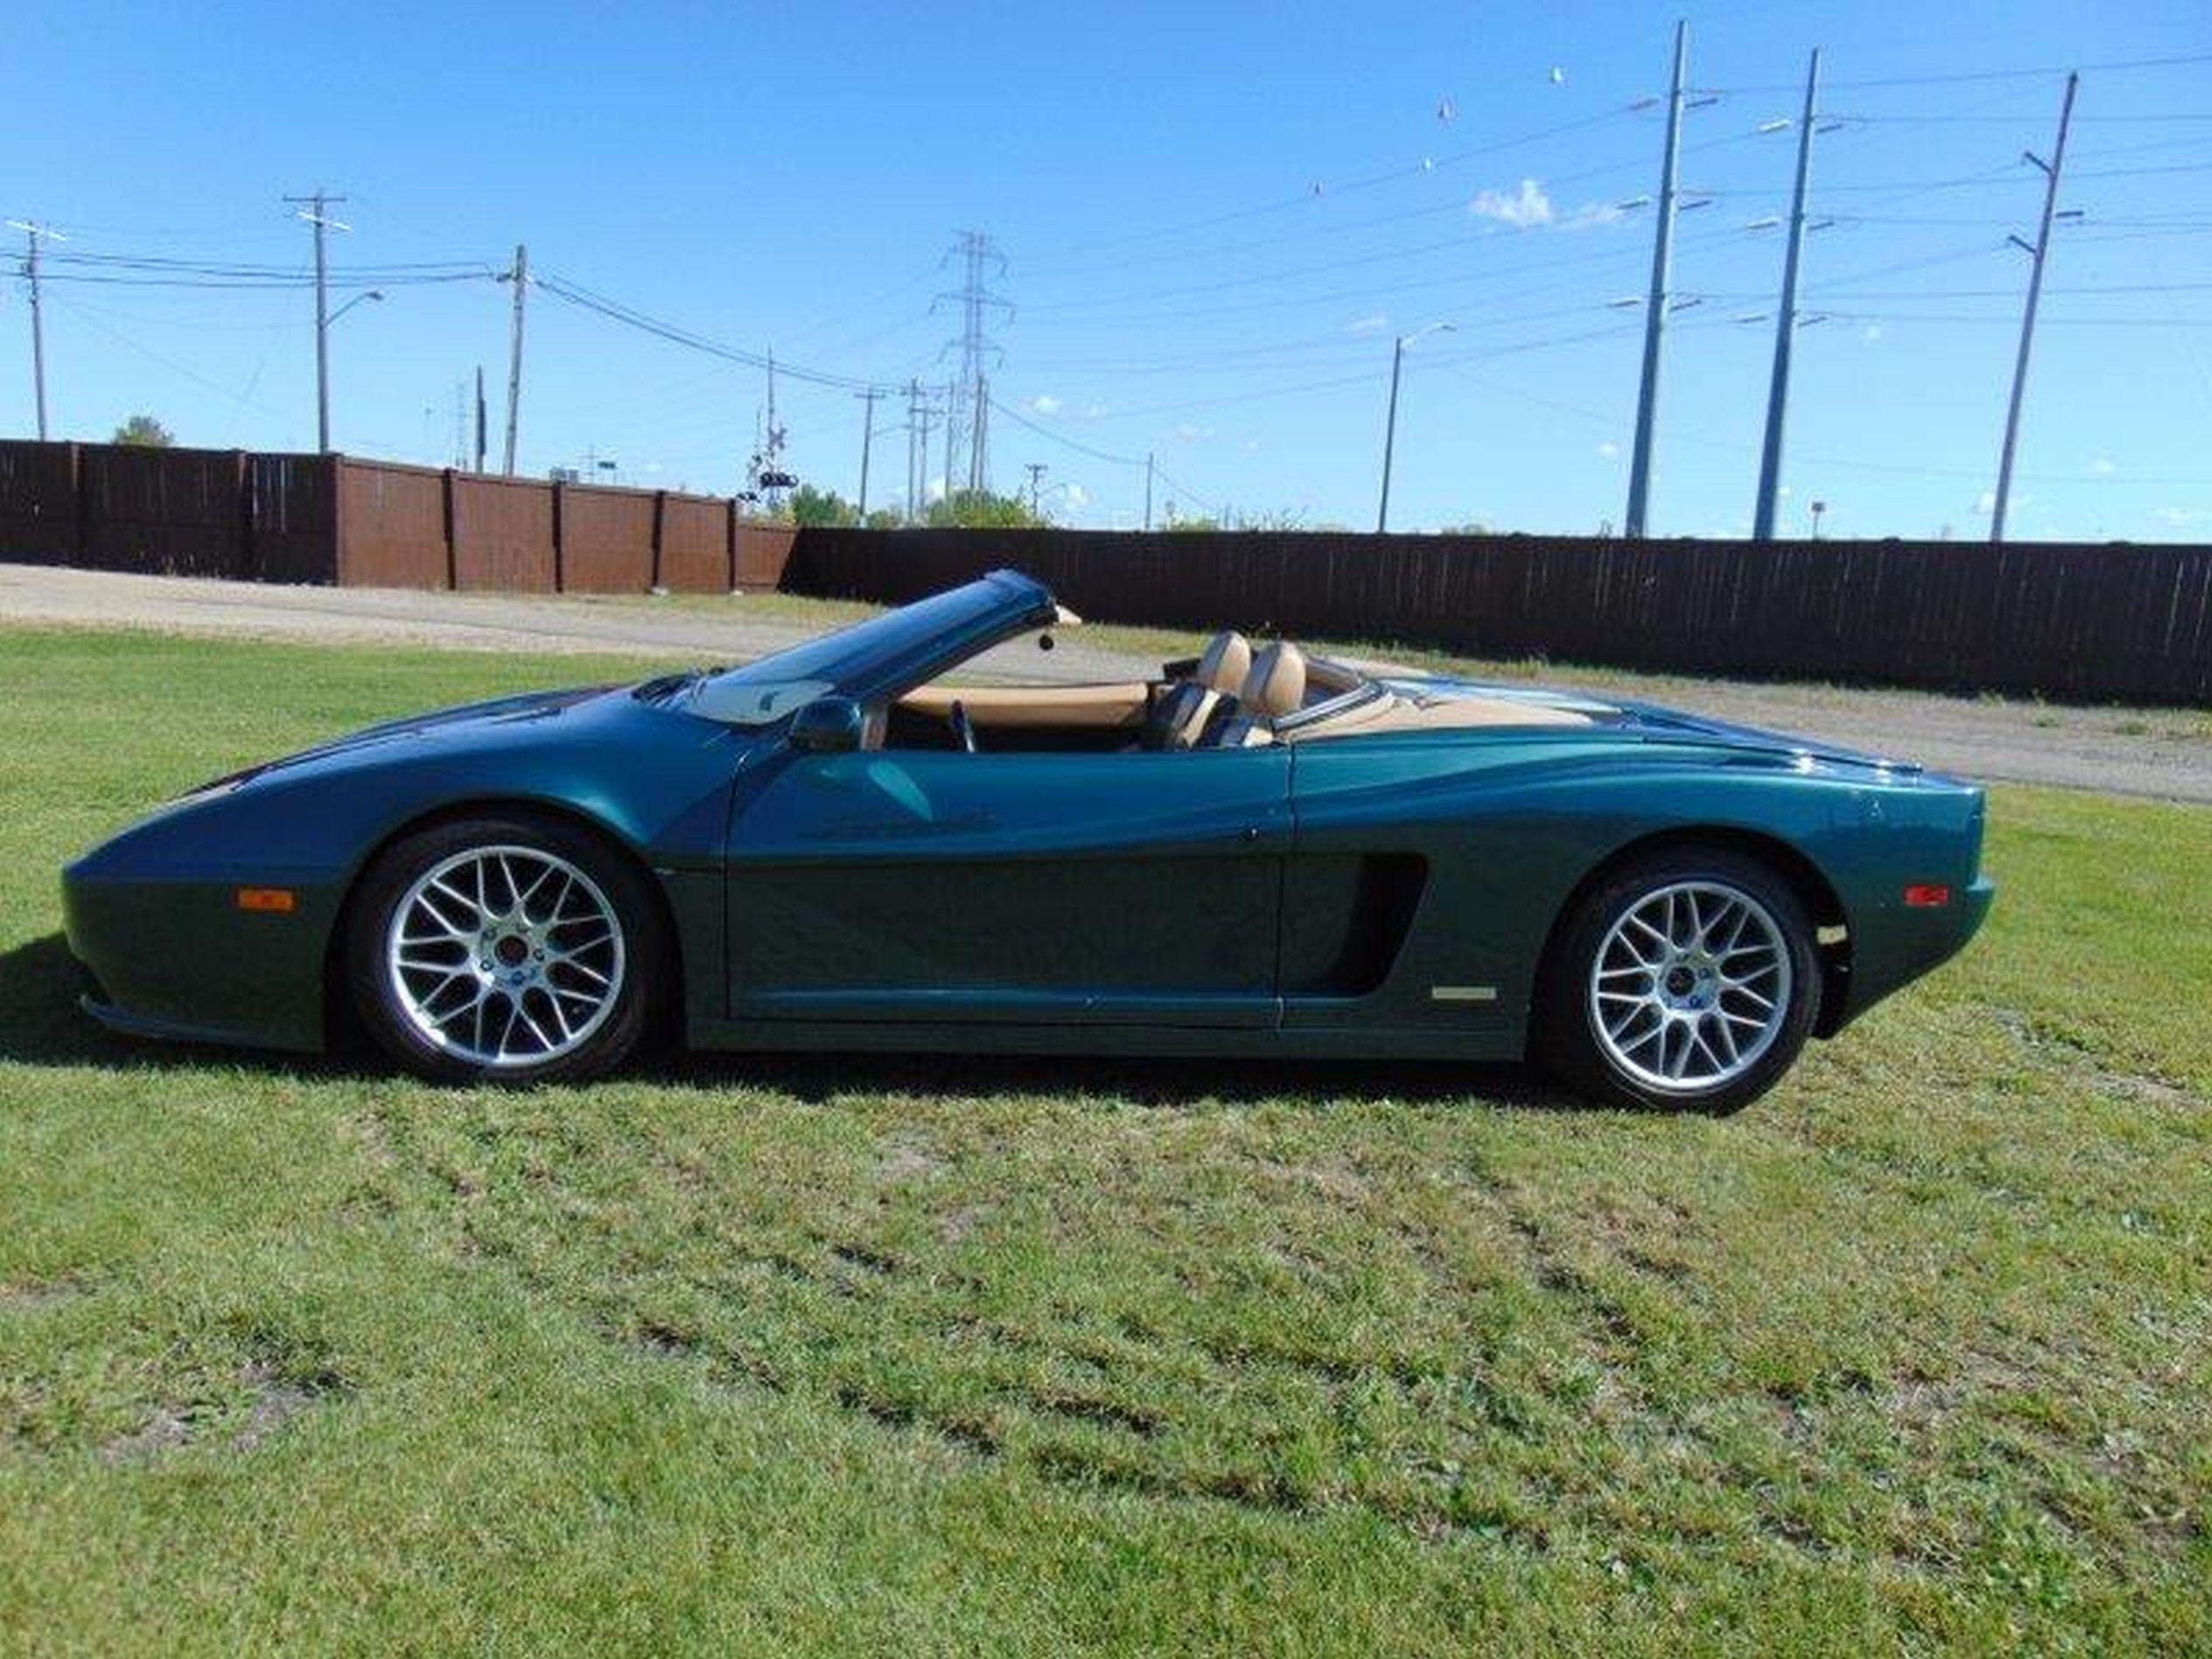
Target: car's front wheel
[(1688, 979), (503, 949)]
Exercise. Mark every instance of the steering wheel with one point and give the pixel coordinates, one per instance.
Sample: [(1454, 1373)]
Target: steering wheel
[(963, 729)]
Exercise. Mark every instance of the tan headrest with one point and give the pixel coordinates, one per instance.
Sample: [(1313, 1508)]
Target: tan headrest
[(1228, 659), (1277, 684)]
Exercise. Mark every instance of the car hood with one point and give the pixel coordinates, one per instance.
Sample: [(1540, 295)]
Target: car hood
[(494, 715), (1655, 721)]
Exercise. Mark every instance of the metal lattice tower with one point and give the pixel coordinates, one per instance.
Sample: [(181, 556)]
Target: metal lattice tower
[(965, 417)]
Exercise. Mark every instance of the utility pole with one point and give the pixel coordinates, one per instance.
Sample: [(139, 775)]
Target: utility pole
[(315, 214), (867, 436), (1785, 325), (914, 416), (979, 439), (520, 277), (31, 233), (1390, 422), (928, 420), (1036, 471), (1390, 433), (952, 404), (2041, 253), (480, 420), (1639, 475), (1148, 489)]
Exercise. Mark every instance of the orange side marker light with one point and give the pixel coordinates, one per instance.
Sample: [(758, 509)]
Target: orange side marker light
[(274, 901)]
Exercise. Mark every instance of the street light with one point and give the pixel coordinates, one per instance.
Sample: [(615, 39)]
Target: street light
[(1390, 425), (323, 359), (372, 294)]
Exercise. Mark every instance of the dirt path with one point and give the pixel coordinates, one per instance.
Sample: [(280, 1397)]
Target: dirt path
[(2160, 753)]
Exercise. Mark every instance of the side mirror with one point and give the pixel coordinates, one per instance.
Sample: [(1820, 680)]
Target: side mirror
[(828, 726)]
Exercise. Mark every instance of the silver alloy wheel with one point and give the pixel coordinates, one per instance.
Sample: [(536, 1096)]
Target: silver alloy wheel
[(1690, 986), (505, 956)]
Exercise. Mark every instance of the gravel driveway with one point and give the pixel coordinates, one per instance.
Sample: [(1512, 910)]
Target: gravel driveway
[(2153, 752)]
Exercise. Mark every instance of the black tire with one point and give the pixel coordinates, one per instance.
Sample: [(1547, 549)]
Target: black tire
[(636, 964), (1567, 1037)]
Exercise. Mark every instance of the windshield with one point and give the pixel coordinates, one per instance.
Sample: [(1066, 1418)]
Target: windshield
[(853, 658)]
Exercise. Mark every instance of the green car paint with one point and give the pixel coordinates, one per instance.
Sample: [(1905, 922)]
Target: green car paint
[(1388, 895)]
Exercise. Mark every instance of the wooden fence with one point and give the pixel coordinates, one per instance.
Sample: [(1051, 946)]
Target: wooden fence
[(334, 520), (2120, 622)]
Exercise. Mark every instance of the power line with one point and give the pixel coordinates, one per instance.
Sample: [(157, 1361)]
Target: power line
[(575, 294), (2119, 66)]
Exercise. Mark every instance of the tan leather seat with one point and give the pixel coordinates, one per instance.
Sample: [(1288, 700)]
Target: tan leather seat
[(1185, 708), (1275, 686), (1226, 659)]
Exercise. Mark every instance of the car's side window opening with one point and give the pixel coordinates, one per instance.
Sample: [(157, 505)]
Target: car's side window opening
[(1237, 693)]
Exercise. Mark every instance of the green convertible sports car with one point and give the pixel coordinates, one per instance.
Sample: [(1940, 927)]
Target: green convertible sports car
[(840, 846)]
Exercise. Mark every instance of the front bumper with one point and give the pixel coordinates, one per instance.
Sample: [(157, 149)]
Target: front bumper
[(179, 960)]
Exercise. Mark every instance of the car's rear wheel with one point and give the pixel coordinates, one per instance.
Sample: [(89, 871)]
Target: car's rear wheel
[(1688, 979), (504, 948)]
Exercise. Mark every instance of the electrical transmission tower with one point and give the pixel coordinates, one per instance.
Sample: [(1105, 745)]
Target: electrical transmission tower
[(965, 422)]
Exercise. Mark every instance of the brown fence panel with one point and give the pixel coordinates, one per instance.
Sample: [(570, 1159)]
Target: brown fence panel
[(39, 521), (392, 529), (292, 508), (180, 513), (695, 544), (763, 553), (2125, 623), (606, 540), (505, 534)]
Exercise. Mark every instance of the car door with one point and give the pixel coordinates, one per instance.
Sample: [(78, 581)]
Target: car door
[(1029, 888)]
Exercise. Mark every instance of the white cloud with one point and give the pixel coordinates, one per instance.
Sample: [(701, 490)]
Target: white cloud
[(1077, 496), (1871, 332), (1523, 208), (2179, 518), (1045, 403), (1251, 446), (1368, 325), (934, 490), (1190, 434), (1610, 449), (1985, 503), (2104, 466), (1092, 411)]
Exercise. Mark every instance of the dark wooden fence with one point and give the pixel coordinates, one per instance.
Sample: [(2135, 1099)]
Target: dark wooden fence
[(2121, 623), (332, 518)]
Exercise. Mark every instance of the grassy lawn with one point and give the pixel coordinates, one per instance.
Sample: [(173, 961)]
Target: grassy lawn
[(883, 1356)]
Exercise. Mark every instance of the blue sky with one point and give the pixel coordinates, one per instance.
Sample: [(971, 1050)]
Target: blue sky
[(1215, 219)]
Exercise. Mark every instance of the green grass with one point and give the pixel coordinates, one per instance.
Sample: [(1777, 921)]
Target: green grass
[(847, 1355)]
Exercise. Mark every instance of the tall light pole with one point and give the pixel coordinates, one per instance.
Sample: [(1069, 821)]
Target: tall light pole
[(1390, 422), (1786, 323)]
